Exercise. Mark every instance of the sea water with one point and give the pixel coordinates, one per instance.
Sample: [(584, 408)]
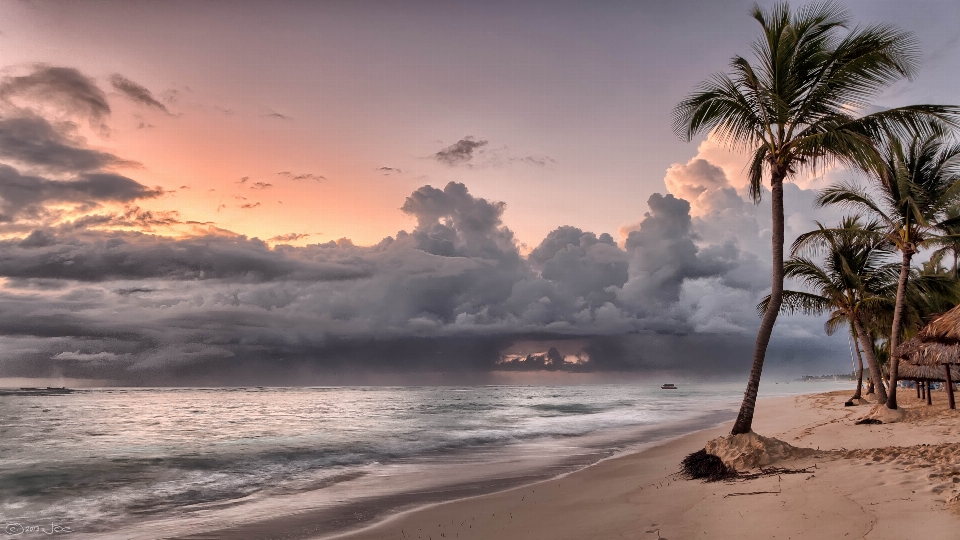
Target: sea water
[(164, 461)]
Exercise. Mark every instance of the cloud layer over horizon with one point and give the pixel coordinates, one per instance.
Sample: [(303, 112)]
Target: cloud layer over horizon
[(92, 290)]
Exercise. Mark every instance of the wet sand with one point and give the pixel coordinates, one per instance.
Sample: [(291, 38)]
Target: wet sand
[(293, 517), (889, 481)]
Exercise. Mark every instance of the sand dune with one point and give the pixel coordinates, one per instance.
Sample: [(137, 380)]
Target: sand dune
[(888, 481)]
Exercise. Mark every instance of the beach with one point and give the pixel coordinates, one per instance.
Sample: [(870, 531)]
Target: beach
[(238, 462), (888, 481)]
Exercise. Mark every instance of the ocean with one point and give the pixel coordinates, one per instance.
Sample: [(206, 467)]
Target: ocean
[(176, 462)]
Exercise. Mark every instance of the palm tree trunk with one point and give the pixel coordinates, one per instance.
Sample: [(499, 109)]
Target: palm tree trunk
[(744, 423), (857, 394), (898, 323), (875, 374)]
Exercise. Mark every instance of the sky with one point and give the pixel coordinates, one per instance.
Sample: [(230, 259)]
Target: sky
[(239, 192)]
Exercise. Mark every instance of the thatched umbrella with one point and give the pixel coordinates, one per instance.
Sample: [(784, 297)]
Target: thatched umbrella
[(934, 374), (926, 374), (943, 329), (936, 347)]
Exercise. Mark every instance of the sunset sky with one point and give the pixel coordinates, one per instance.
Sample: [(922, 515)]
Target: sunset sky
[(301, 123)]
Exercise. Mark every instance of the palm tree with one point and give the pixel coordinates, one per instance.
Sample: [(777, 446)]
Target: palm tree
[(852, 279), (796, 107), (913, 189), (857, 394), (950, 243)]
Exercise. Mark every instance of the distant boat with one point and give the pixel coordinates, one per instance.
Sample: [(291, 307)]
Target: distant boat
[(668, 386)]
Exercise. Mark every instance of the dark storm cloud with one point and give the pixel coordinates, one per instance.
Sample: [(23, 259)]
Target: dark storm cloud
[(666, 252), (26, 196), (104, 256), (451, 222), (67, 88), (134, 290), (582, 264), (136, 92), (461, 152), (450, 295), (32, 140)]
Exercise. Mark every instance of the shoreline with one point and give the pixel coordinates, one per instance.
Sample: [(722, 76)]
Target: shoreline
[(386, 519), (331, 512), (881, 488), (360, 515)]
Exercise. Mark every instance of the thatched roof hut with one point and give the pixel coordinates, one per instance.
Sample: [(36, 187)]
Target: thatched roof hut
[(917, 352), (913, 372), (934, 355), (943, 329)]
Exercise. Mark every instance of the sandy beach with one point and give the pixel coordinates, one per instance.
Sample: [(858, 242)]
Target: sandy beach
[(889, 481)]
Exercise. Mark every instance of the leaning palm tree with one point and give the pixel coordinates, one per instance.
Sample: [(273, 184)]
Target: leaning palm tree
[(853, 279), (912, 191), (797, 106)]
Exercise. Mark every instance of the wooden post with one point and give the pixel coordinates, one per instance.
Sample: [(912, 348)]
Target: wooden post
[(949, 383), (917, 384), (929, 401), (922, 385)]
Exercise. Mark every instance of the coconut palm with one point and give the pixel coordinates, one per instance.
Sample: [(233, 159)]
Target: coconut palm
[(936, 292), (912, 191), (853, 279), (950, 243), (857, 394), (796, 106)]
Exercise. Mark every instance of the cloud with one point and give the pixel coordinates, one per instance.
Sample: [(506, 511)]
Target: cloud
[(136, 92), (250, 205), (301, 176), (452, 294), (105, 256), (277, 116), (665, 255), (134, 290), (33, 141), (86, 357), (388, 170), (289, 237), (539, 161), (459, 153), (701, 183), (66, 88), (261, 185), (24, 196)]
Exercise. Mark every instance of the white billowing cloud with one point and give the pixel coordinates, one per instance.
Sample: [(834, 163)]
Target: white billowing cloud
[(683, 180), (701, 183)]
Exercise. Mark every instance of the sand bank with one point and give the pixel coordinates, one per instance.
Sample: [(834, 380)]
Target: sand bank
[(889, 481)]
